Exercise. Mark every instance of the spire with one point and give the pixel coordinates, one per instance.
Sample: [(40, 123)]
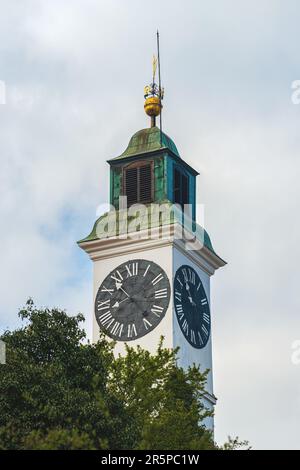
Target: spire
[(154, 93)]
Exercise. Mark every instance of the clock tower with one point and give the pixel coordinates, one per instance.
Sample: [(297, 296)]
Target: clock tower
[(152, 262)]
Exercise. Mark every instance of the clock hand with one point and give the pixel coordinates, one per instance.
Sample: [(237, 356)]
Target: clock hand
[(119, 287), (117, 304), (189, 296)]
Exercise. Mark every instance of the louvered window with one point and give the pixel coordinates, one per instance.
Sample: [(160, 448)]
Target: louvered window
[(138, 183), (181, 188), (131, 190), (145, 183)]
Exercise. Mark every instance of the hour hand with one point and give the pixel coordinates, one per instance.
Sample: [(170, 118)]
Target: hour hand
[(119, 286), (117, 303), (191, 300)]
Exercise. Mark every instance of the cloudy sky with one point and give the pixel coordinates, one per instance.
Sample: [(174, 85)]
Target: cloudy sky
[(74, 73)]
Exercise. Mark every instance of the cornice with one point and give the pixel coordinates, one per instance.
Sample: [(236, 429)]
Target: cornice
[(167, 235)]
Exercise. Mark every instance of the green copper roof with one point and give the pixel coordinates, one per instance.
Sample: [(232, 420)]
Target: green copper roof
[(145, 222), (148, 140)]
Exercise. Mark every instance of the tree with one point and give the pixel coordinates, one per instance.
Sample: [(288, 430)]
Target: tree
[(53, 383), (58, 391), (161, 395)]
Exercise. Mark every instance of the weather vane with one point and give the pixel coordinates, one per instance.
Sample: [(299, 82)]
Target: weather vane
[(154, 93)]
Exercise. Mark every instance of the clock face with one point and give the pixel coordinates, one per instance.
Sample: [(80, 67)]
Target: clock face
[(132, 300), (191, 306)]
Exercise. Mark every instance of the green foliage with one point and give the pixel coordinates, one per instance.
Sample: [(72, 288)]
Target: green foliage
[(58, 391), (59, 439), (233, 443), (159, 396), (52, 381)]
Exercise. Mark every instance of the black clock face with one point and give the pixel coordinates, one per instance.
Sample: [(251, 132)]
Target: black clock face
[(191, 306), (132, 300)]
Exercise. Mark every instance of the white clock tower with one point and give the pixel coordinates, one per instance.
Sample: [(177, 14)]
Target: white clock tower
[(152, 261)]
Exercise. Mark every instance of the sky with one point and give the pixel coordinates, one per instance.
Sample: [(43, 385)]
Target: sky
[(74, 73)]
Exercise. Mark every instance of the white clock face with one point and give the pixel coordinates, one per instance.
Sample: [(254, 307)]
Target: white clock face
[(132, 300)]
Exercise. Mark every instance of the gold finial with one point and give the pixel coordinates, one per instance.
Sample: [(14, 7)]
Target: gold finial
[(153, 95)]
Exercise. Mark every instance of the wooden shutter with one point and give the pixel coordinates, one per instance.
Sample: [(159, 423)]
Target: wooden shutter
[(138, 183), (131, 185), (145, 183)]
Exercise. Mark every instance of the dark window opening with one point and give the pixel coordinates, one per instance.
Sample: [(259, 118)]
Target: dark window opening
[(138, 183), (181, 188)]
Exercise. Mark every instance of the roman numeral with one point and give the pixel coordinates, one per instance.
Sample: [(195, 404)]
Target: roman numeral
[(117, 329), (179, 308), (193, 337), (109, 291), (185, 275), (131, 330), (203, 301), (157, 310), (200, 338), (132, 269), (147, 324), (185, 326), (199, 285), (178, 296), (178, 280), (179, 311), (106, 319), (206, 318), (188, 275), (157, 279), (117, 277), (146, 270), (204, 329), (192, 277), (103, 305), (161, 293)]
